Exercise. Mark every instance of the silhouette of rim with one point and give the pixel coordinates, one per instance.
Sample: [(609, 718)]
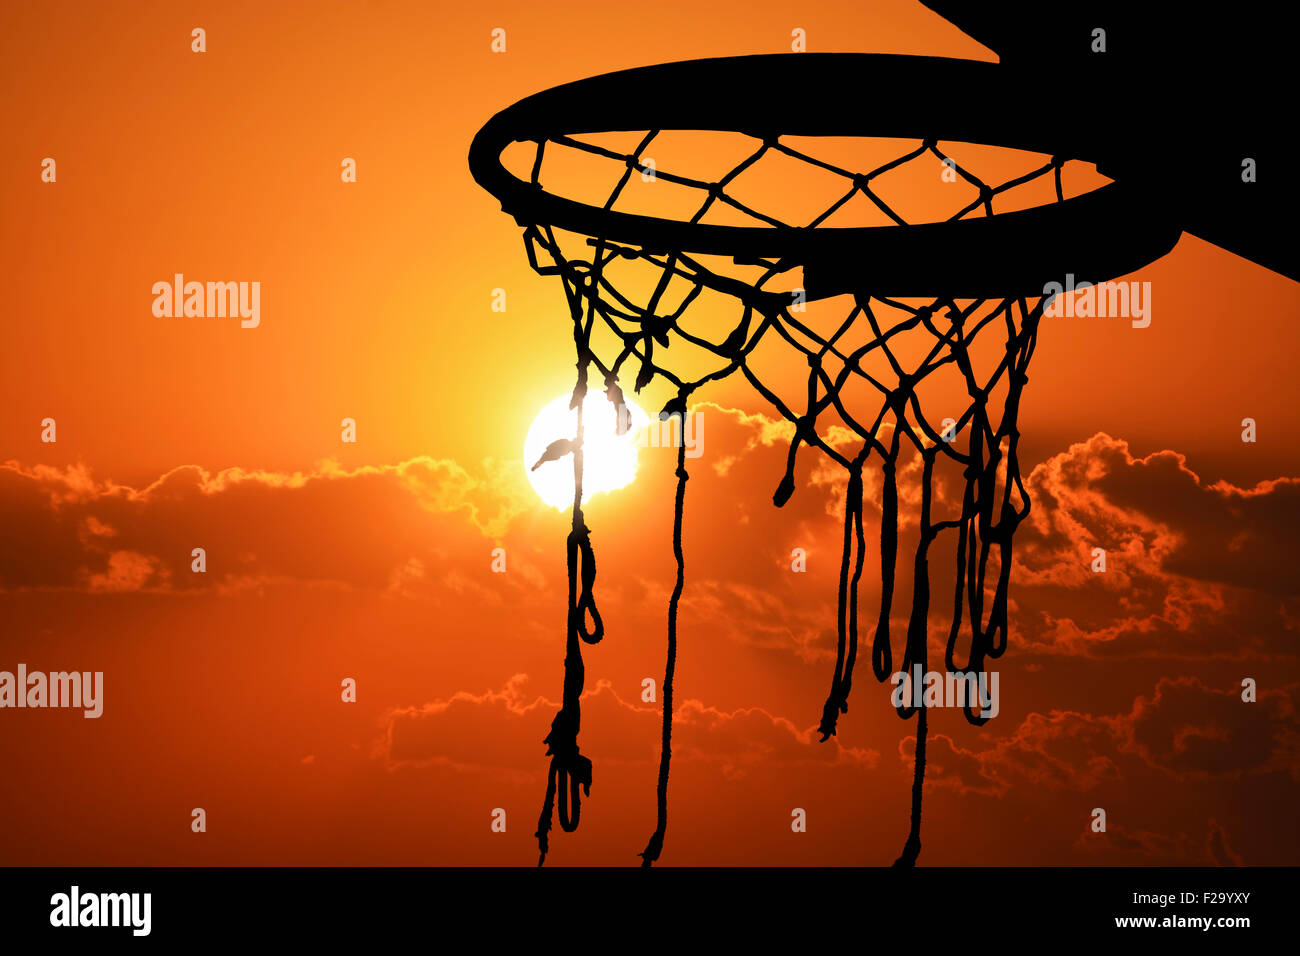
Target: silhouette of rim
[(1097, 236)]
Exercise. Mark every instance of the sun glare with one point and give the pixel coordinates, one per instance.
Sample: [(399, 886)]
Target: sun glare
[(609, 459)]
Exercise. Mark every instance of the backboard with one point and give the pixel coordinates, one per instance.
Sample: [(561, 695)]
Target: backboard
[(1191, 91)]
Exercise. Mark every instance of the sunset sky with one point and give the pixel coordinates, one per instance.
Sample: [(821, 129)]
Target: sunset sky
[(373, 560)]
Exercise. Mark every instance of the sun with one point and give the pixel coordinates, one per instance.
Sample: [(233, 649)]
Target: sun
[(609, 459)]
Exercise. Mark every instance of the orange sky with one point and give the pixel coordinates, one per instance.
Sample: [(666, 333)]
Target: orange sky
[(371, 560)]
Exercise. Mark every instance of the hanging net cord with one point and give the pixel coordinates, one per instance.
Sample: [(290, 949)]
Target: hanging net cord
[(993, 500), (651, 853), (571, 772)]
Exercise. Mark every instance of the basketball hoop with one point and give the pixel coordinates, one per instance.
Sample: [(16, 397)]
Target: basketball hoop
[(978, 272)]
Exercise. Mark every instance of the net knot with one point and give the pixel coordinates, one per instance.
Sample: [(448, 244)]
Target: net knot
[(676, 406), (569, 777), (562, 741), (658, 327)]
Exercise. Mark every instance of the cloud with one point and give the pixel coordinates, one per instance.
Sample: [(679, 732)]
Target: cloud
[(501, 731), (458, 731), (1195, 732), (423, 532), (126, 571), (1157, 511), (1122, 844), (1058, 751), (1217, 847), (1193, 570), (1183, 730), (380, 527)]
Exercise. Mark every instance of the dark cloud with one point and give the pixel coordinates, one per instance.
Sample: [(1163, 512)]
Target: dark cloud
[(1192, 570), (1192, 731), (1182, 730)]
